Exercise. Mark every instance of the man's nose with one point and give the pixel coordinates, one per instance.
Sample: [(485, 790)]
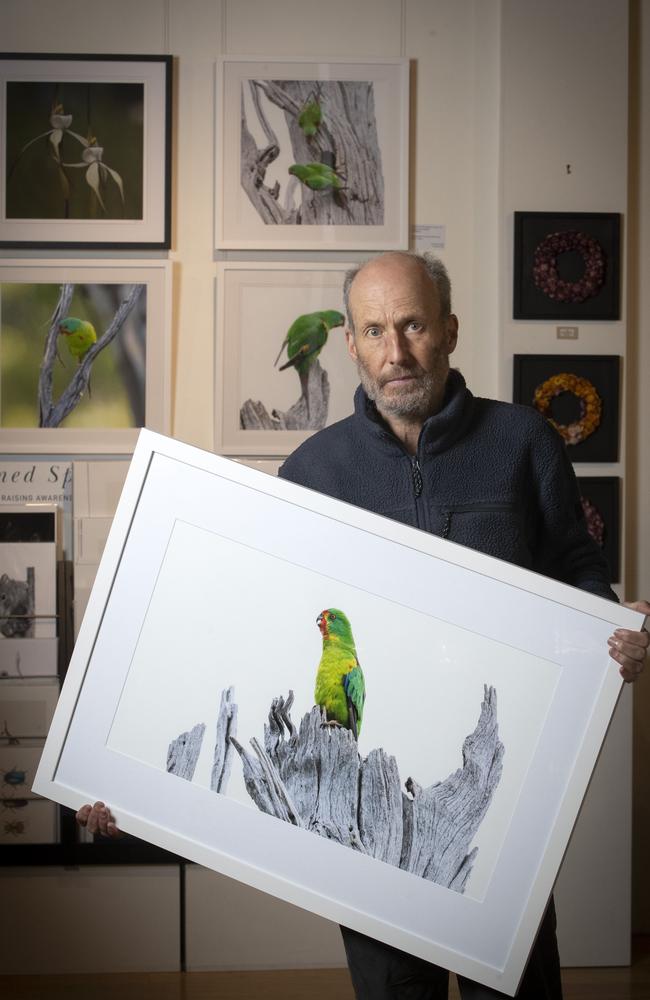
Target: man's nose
[(397, 348)]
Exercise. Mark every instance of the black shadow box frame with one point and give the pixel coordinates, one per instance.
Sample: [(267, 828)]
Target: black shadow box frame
[(602, 371), (531, 228), (603, 493)]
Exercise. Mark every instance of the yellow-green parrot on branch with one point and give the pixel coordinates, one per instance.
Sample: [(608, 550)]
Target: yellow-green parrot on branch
[(340, 686), (317, 176), (79, 336)]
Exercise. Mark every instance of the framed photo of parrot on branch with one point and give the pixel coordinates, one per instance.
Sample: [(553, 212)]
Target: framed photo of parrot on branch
[(282, 365), (312, 155), (383, 727), (84, 354), (85, 151)]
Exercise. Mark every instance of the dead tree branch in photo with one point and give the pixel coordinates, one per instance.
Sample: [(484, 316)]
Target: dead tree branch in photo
[(309, 412), (315, 778), (183, 752), (51, 413), (346, 140)]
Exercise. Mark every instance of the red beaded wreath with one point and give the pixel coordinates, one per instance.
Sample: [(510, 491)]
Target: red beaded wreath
[(545, 272)]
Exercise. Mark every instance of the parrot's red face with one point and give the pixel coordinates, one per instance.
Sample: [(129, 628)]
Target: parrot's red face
[(322, 622)]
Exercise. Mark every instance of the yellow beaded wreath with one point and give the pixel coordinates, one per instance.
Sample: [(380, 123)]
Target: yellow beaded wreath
[(590, 405)]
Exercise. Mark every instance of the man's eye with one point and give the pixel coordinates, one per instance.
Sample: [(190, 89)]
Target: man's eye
[(414, 325), (373, 332)]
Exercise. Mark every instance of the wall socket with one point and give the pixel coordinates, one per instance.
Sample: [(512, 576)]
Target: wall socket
[(566, 332)]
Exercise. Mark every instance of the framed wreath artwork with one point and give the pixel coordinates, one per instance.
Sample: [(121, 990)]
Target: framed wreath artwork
[(599, 496), (578, 394), (566, 265)]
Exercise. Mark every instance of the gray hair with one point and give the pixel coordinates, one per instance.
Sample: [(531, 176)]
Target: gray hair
[(433, 266)]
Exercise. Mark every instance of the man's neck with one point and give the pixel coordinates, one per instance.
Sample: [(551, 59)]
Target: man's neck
[(407, 432)]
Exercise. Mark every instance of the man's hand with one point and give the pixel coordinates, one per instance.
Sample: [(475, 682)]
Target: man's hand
[(98, 819), (629, 649)]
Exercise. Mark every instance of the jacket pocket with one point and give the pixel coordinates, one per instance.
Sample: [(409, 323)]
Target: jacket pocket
[(494, 528)]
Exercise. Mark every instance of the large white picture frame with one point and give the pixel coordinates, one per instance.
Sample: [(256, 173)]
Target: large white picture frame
[(213, 575), (346, 116)]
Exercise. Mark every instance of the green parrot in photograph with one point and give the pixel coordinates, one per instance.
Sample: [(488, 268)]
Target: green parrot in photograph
[(317, 176), (305, 339), (340, 687), (79, 336), (310, 118)]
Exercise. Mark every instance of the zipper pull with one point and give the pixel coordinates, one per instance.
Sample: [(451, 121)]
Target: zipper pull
[(417, 476)]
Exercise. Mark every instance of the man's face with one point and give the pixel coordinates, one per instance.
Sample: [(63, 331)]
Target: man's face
[(400, 343)]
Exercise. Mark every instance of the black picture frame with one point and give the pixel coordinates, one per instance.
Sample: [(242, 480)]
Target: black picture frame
[(602, 371), (603, 494), (86, 151), (531, 229)]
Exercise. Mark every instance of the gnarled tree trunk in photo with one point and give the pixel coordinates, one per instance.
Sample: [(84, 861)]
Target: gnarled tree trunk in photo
[(346, 140)]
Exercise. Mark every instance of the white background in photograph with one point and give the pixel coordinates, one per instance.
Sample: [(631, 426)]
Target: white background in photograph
[(261, 627), (15, 558)]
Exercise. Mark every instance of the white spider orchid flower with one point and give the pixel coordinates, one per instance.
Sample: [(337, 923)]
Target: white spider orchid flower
[(60, 123), (96, 170)]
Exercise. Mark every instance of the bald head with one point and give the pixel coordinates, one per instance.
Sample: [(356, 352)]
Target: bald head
[(431, 267)]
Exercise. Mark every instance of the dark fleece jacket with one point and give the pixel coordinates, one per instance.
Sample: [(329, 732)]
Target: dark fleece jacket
[(489, 475)]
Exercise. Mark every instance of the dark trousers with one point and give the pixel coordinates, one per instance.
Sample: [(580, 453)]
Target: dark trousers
[(381, 972)]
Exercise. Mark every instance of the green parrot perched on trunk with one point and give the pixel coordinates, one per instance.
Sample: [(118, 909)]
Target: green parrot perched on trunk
[(310, 117), (317, 176), (79, 336), (340, 687), (305, 339)]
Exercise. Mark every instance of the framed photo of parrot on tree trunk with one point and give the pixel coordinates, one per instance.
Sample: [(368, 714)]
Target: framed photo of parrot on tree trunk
[(312, 155), (84, 354), (85, 151), (381, 726), (282, 365)]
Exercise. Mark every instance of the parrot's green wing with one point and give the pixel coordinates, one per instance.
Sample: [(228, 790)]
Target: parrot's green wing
[(355, 692)]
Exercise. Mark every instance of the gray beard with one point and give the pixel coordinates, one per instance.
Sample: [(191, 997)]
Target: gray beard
[(418, 403)]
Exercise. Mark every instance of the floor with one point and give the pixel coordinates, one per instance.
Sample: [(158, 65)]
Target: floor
[(631, 983)]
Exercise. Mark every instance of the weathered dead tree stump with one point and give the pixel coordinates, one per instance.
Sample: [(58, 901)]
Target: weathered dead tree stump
[(309, 412), (314, 778), (347, 140), (183, 752)]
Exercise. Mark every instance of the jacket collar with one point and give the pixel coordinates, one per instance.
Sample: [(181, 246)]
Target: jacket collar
[(439, 431)]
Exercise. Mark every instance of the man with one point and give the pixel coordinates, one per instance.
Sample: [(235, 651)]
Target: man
[(422, 449)]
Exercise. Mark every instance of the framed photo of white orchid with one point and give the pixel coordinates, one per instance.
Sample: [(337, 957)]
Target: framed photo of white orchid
[(311, 155), (84, 353), (85, 151)]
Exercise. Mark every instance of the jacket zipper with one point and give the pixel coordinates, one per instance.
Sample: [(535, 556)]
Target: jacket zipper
[(416, 472)]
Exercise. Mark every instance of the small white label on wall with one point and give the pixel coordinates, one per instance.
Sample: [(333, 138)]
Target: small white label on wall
[(567, 332), (428, 237)]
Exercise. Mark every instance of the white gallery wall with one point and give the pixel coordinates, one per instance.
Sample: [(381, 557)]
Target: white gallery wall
[(505, 94)]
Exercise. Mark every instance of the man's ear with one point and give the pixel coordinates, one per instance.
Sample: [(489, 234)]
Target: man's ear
[(352, 347), (452, 333)]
